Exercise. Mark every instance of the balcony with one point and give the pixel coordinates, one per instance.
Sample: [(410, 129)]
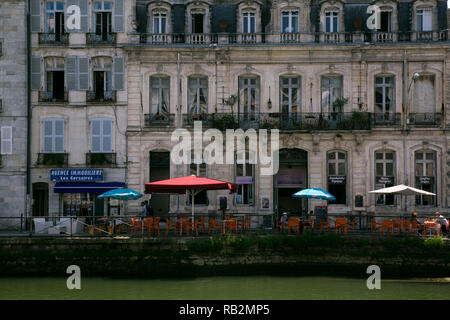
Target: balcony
[(292, 121), (424, 119), (101, 39), (53, 97), (292, 38), (159, 120), (100, 159), (386, 119), (101, 97), (54, 39), (53, 159), (205, 118)]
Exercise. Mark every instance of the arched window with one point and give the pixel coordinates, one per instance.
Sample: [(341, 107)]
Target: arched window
[(159, 95), (197, 96), (249, 96), (331, 90), (385, 175), (384, 96), (425, 175)]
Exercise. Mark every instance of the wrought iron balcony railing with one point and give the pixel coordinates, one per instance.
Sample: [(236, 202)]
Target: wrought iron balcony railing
[(100, 159), (101, 97), (54, 39), (386, 119), (55, 97), (53, 159), (101, 39), (294, 37), (159, 120), (424, 119)]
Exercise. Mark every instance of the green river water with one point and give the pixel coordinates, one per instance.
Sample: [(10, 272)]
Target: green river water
[(224, 288)]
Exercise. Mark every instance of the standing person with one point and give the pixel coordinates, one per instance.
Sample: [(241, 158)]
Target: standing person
[(144, 209), (443, 222), (150, 212)]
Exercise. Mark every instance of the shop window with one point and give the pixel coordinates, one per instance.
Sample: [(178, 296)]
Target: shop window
[(244, 178), (425, 176), (337, 176), (385, 175)]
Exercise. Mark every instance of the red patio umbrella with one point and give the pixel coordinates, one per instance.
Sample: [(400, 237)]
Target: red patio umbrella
[(193, 184)]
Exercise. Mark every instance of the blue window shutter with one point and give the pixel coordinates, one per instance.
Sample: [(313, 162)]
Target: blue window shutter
[(36, 73), (83, 73), (71, 73), (118, 73), (84, 15), (119, 16), (35, 13)]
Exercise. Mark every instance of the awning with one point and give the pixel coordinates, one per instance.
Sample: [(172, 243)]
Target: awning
[(99, 188)]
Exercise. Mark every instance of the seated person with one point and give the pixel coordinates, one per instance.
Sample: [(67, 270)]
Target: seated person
[(443, 222), (414, 219)]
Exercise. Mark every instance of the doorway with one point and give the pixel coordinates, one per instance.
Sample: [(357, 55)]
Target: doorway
[(40, 199), (160, 170)]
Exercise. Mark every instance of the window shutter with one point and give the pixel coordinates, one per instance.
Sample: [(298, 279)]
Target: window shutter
[(35, 14), (107, 135), (119, 15), (427, 18), (48, 136), (84, 15), (118, 77), (6, 140), (58, 135), (83, 73), (35, 73), (95, 135), (71, 73)]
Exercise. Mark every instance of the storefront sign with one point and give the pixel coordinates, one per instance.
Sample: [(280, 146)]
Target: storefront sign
[(336, 179), (291, 176), (425, 180), (385, 180), (244, 180), (76, 175)]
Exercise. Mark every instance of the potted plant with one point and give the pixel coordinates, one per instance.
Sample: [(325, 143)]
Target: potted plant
[(159, 116)]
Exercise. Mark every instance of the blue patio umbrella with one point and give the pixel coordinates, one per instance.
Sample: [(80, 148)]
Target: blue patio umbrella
[(121, 194), (314, 193)]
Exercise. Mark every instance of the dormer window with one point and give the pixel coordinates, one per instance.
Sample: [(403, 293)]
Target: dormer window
[(331, 21), (159, 22), (424, 19), (289, 21), (248, 22)]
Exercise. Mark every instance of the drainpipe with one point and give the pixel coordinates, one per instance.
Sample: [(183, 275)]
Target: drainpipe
[(28, 156), (405, 117), (178, 116)]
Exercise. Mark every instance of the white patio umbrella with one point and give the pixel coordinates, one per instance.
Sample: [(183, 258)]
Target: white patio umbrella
[(404, 190)]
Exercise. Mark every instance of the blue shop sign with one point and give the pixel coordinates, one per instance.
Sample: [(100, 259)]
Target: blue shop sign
[(76, 175)]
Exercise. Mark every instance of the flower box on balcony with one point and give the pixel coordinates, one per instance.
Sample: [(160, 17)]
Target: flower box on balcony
[(195, 117), (159, 117)]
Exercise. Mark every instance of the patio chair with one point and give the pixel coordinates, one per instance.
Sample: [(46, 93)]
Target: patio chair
[(308, 224), (200, 224), (294, 223), (170, 225), (406, 226), (189, 226), (213, 226), (397, 225), (136, 225), (340, 224), (432, 226), (375, 226), (247, 223), (387, 224), (324, 225), (156, 221), (230, 225), (148, 224), (416, 228), (351, 225)]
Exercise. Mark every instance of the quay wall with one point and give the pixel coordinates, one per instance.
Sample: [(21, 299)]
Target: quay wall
[(329, 255)]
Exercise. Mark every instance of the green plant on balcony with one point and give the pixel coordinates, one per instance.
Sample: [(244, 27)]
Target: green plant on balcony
[(99, 158), (224, 122), (338, 104), (360, 120)]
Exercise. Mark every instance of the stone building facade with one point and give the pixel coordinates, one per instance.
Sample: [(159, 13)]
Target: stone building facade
[(13, 110), (357, 109)]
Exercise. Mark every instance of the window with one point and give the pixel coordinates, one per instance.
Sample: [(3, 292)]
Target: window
[(6, 140), (337, 176), (331, 21), (424, 19), (289, 21), (54, 22), (102, 68), (103, 19), (424, 94), (197, 22), (54, 68), (249, 96), (331, 90), (244, 178), (384, 94), (200, 170), (159, 95), (159, 22), (290, 98), (248, 22), (425, 173), (384, 175), (101, 135), (53, 135), (198, 95)]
